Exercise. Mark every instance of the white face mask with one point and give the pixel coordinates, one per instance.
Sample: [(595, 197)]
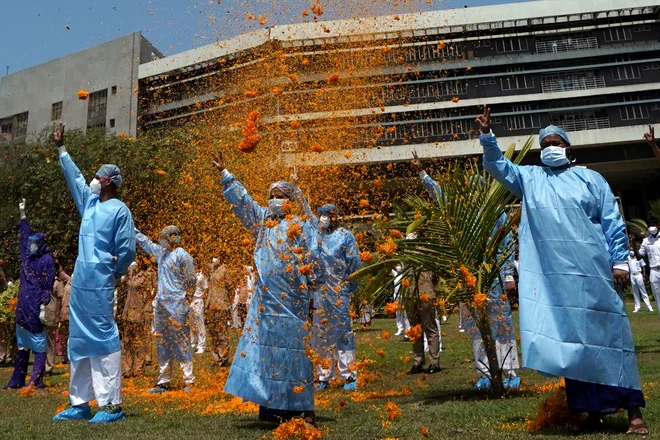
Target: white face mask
[(554, 156), (324, 222), (95, 186), (34, 247), (653, 231), (411, 236), (398, 268)]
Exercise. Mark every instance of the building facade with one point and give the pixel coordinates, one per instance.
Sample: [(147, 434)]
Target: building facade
[(34, 98), (590, 67)]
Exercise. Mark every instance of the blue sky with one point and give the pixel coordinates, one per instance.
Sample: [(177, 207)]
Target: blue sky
[(34, 31)]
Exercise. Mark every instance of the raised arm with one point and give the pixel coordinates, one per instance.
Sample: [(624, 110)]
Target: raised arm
[(431, 185), (74, 178), (650, 139), (147, 245), (495, 164), (25, 232), (124, 242), (303, 201), (318, 275), (187, 267)]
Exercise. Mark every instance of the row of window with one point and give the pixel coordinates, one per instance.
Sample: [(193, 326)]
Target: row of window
[(97, 106)]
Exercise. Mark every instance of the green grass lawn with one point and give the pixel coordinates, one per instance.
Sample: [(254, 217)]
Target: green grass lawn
[(444, 403)]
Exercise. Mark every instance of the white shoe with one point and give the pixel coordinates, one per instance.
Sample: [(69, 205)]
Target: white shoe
[(199, 351), (399, 333), (461, 331), (650, 310), (635, 311)]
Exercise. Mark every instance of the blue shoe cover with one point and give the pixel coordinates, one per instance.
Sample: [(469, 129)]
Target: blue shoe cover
[(82, 412), (513, 384), (321, 386), (482, 384), (103, 417), (158, 389), (350, 386)]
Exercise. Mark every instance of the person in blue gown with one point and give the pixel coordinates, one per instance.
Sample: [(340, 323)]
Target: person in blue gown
[(176, 282), (106, 247), (333, 331), (272, 365), (573, 250)]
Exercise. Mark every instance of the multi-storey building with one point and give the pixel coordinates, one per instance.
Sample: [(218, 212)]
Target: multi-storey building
[(33, 98), (591, 67)]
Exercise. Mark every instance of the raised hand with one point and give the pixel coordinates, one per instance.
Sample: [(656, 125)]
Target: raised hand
[(650, 136), (58, 135), (294, 176), (218, 162), (484, 121), (416, 163), (21, 205)]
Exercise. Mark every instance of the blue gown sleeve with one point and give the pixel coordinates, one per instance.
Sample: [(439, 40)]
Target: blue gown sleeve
[(124, 242), (498, 166), (147, 245), (612, 224), (432, 187), (25, 233), (318, 276), (306, 208), (76, 182), (352, 253), (243, 205), (48, 279)]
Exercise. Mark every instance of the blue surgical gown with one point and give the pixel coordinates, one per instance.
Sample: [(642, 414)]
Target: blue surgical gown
[(572, 322), (271, 367), (106, 247), (176, 277), (498, 308), (332, 301)]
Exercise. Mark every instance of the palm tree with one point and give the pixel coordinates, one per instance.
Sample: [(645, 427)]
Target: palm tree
[(462, 240), (638, 225)]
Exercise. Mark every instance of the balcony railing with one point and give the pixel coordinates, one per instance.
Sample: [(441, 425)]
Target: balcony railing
[(583, 124), (571, 83), (569, 45)]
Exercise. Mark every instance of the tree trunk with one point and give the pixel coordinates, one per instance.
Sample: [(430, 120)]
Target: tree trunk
[(494, 367)]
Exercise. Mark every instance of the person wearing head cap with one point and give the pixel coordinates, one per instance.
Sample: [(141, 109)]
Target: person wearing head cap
[(197, 328), (37, 278), (334, 340), (106, 247), (271, 366), (176, 284), (573, 252), (137, 286)]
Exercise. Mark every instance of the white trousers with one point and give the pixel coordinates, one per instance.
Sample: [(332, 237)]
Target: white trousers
[(507, 357), (402, 323), (165, 369), (344, 360), (96, 377), (197, 328), (654, 279), (638, 288)]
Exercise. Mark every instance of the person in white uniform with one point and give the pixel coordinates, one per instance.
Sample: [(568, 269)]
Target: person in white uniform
[(197, 328), (650, 248), (637, 281)]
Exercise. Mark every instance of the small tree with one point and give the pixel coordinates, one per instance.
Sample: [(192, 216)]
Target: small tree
[(462, 240)]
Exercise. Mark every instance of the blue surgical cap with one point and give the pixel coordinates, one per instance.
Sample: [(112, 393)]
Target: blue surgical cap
[(326, 209), (553, 129), (287, 188), (112, 172)]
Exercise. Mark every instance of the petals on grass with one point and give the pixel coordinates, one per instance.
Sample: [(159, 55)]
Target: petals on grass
[(393, 411), (297, 429)]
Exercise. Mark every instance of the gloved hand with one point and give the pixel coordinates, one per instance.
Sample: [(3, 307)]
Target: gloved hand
[(42, 314), (21, 208)]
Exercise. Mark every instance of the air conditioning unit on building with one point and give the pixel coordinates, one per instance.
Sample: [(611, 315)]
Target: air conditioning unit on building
[(289, 146)]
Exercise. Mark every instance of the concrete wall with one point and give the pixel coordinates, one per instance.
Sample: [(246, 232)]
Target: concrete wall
[(114, 63)]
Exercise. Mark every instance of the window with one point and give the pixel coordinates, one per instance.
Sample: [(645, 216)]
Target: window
[(517, 82), (492, 81), (617, 34), (96, 108), (511, 45), (112, 123), (655, 106), (5, 128), (56, 111), (631, 71), (477, 43), (637, 111), (114, 91), (487, 43), (21, 122), (523, 122)]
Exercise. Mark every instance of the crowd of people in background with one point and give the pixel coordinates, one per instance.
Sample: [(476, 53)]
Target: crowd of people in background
[(104, 319)]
